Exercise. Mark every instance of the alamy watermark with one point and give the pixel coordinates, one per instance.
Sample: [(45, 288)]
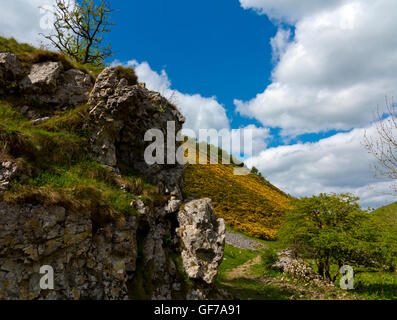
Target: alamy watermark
[(47, 18), (347, 280), (217, 147), (47, 279)]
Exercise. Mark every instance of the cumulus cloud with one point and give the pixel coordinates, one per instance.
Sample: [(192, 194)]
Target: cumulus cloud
[(24, 20), (289, 10), (336, 164), (334, 72), (200, 112), (280, 43)]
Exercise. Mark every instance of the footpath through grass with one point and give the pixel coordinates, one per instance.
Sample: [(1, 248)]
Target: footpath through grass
[(245, 276)]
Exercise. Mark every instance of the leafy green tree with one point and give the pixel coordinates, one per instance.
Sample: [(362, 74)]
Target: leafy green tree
[(333, 230), (385, 222), (80, 28)]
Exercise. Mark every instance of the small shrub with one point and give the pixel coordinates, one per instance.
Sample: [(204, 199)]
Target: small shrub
[(269, 258), (133, 185)]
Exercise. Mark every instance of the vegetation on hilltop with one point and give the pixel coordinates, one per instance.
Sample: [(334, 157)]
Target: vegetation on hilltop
[(248, 203), (29, 55)]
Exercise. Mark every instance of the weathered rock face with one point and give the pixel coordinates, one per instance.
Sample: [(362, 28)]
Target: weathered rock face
[(47, 83), (10, 69), (42, 78), (8, 171), (101, 261), (122, 114), (86, 264), (155, 227), (203, 239)]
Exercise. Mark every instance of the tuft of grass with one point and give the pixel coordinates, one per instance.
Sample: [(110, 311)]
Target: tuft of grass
[(72, 120), (85, 186), (269, 258), (128, 74)]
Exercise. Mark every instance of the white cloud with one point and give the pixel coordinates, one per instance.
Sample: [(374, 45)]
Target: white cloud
[(336, 164), (289, 10), (23, 20), (339, 66), (280, 43), (200, 112)]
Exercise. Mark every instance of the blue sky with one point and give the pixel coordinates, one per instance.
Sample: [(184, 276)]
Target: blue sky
[(223, 51), (209, 47), (306, 76)]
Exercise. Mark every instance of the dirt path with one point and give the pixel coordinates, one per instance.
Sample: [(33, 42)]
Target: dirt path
[(243, 270), (302, 292)]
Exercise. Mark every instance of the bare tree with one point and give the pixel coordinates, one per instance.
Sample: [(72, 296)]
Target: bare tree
[(80, 28), (383, 145)]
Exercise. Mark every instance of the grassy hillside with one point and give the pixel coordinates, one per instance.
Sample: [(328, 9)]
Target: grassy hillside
[(52, 157), (248, 203), (387, 211), (55, 169)]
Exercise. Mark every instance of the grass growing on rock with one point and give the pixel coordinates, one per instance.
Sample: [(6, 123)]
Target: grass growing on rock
[(128, 74), (55, 168), (29, 55)]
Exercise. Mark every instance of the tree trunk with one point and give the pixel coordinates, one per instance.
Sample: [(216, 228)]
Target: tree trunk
[(320, 267)]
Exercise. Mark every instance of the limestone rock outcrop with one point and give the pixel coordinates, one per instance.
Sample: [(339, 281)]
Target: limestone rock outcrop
[(203, 239), (94, 259), (87, 264), (121, 115), (155, 227), (48, 83), (42, 78), (10, 70)]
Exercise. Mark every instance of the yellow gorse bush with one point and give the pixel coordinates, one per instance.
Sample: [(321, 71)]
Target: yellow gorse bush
[(247, 203)]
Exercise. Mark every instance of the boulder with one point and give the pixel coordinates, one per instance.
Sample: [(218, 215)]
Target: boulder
[(121, 115), (203, 240), (48, 83), (75, 88), (10, 70), (42, 78)]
